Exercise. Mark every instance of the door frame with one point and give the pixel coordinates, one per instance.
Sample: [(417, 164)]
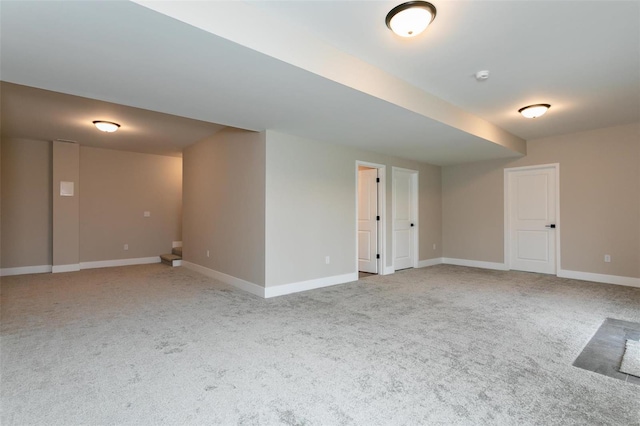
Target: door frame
[(382, 203), (507, 212), (414, 213)]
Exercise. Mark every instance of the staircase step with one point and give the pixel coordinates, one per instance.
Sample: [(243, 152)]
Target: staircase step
[(177, 251), (171, 259)]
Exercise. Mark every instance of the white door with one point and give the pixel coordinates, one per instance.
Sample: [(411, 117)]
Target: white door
[(404, 212), (367, 220), (532, 219)]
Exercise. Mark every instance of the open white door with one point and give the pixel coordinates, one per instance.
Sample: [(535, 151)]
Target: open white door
[(367, 220), (532, 218), (404, 218)]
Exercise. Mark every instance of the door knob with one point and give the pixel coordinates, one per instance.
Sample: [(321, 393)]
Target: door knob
[(412, 225)]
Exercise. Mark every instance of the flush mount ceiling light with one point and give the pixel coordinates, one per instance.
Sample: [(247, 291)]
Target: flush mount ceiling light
[(534, 111), (411, 18), (106, 126)]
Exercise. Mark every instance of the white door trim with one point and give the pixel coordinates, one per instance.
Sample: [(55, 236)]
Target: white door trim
[(382, 226), (507, 241), (414, 213)]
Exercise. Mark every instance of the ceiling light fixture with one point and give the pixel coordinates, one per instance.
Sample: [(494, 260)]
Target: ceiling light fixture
[(106, 126), (411, 18), (534, 111)]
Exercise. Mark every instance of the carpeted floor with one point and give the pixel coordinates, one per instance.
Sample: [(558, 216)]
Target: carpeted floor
[(441, 345)]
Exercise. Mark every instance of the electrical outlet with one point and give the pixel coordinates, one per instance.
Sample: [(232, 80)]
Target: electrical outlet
[(607, 258), (207, 253), (126, 246), (434, 246), (327, 260)]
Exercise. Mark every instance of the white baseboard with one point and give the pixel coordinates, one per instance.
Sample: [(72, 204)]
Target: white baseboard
[(176, 244), (23, 270), (227, 279), (73, 267), (600, 278), (119, 262), (177, 263), (562, 273), (304, 285), (475, 263), (43, 269), (281, 290), (429, 262)]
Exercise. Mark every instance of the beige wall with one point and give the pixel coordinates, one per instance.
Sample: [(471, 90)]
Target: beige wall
[(66, 210), (26, 203), (310, 208), (114, 188), (599, 201), (117, 188), (224, 204)]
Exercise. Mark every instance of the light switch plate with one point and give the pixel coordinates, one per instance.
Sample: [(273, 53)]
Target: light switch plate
[(66, 189), (147, 214)]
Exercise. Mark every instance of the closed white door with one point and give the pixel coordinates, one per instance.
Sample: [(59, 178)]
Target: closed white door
[(532, 219), (404, 205), (367, 220)]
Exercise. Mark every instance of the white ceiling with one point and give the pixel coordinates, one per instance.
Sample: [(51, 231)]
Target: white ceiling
[(583, 57), (30, 113), (331, 71)]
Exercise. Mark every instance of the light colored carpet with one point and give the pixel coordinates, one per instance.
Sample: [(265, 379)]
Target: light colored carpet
[(441, 345), (631, 359)]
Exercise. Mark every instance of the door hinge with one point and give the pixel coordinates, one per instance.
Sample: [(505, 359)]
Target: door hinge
[(377, 256), (377, 217), (377, 180)]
